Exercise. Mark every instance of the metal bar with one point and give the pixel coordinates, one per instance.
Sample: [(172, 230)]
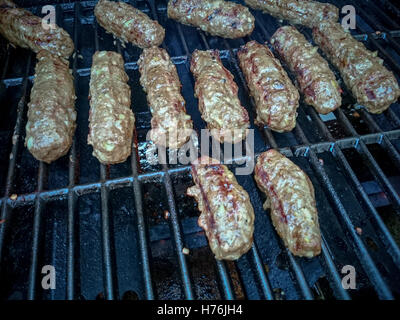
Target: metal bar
[(225, 280), (265, 284), (36, 234), (72, 166), (178, 237), (337, 281), (5, 210)]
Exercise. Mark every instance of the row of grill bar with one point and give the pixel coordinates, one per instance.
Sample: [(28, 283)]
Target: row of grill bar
[(306, 149)]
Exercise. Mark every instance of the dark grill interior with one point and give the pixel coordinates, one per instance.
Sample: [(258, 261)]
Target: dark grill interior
[(105, 228)]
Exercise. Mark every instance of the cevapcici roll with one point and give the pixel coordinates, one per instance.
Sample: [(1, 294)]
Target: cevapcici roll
[(111, 120), (217, 17), (171, 125), (363, 72), (276, 98), (51, 114), (290, 196), (316, 80), (227, 215), (129, 24), (24, 29), (218, 97), (308, 13)]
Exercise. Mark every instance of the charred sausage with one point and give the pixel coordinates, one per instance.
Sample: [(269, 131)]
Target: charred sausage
[(276, 98), (304, 12), (171, 125), (218, 97), (227, 215), (291, 199), (25, 30), (374, 86), (111, 120), (129, 24), (51, 110), (316, 81), (217, 17)]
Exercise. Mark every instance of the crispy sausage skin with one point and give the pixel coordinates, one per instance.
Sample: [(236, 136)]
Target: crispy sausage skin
[(290, 196), (227, 215), (111, 120), (129, 24), (363, 72), (171, 125), (51, 110), (276, 98), (304, 12), (218, 97), (316, 81), (24, 29), (217, 17)]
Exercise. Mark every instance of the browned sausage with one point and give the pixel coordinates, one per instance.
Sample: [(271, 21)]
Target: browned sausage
[(171, 125), (374, 86), (129, 24), (276, 98), (308, 13), (290, 196), (24, 29), (219, 103), (316, 81), (51, 114), (111, 120), (227, 215), (217, 17)]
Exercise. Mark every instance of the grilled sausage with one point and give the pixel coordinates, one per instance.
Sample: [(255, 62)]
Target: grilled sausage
[(171, 125), (111, 120), (218, 97), (227, 215), (51, 114), (24, 29), (316, 81), (290, 196), (304, 12), (363, 72), (276, 98), (217, 17), (129, 24)]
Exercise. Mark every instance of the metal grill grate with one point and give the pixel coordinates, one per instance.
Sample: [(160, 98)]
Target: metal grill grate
[(102, 227)]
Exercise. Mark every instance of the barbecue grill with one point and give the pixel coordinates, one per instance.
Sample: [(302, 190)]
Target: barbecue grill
[(120, 231)]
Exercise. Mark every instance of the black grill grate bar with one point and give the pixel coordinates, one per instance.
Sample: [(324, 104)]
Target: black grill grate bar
[(385, 234), (39, 204), (335, 278), (178, 237), (72, 167), (109, 285), (141, 227), (266, 285), (5, 210)]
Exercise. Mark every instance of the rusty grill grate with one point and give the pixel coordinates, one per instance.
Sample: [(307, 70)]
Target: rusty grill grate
[(104, 228)]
